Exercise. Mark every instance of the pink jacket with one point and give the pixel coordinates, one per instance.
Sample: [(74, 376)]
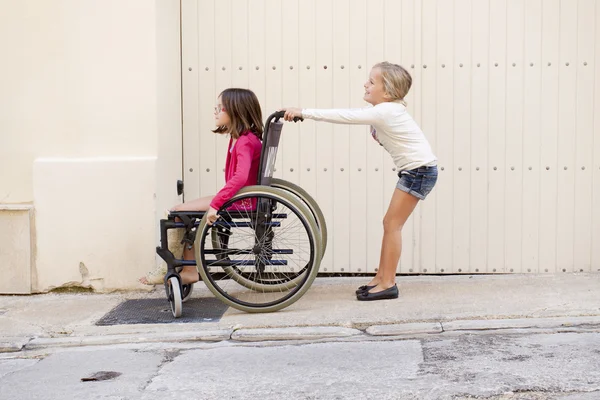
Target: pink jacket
[(241, 169)]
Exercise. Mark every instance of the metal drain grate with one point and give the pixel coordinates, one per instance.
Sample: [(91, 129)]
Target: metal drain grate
[(158, 311)]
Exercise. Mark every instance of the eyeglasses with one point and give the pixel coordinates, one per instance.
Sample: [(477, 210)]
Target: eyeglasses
[(219, 109)]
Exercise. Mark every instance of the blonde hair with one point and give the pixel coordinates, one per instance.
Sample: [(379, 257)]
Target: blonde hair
[(396, 80)]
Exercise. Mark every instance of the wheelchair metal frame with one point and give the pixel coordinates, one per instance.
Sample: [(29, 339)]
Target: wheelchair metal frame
[(191, 221)]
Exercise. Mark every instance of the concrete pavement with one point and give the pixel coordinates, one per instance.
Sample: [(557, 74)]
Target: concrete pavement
[(427, 305)]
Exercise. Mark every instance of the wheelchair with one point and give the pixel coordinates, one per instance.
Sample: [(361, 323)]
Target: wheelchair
[(263, 252)]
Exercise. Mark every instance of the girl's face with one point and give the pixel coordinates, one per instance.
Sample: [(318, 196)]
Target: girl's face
[(221, 116), (374, 90)]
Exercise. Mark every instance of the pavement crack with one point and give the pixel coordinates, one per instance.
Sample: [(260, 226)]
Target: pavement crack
[(168, 357), (233, 330), (20, 370)]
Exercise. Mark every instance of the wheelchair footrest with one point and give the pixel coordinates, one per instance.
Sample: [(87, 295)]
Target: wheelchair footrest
[(170, 259)]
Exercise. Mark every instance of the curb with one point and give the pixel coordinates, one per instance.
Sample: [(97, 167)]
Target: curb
[(521, 323), (203, 336), (415, 329), (13, 345), (406, 330), (304, 333)]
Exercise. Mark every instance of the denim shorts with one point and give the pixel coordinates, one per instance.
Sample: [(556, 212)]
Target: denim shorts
[(418, 182)]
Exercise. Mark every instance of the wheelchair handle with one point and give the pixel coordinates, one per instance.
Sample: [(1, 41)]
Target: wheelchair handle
[(275, 116), (279, 114)]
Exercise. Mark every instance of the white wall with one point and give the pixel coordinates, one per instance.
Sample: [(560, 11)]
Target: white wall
[(506, 92), (83, 81)]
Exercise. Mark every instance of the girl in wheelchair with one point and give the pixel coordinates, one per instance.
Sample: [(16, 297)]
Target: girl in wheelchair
[(394, 129), (238, 114)]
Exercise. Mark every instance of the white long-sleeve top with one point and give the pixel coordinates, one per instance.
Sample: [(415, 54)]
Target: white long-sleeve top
[(391, 125)]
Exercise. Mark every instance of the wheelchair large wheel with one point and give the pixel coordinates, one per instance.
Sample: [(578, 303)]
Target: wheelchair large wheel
[(310, 202), (220, 237), (272, 243)]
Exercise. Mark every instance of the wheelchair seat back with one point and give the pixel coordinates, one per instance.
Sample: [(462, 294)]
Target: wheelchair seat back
[(269, 152)]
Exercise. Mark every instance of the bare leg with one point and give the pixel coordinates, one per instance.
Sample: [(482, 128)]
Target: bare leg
[(201, 204), (401, 207), (189, 273)]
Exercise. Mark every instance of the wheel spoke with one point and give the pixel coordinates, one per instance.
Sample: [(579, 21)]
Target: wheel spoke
[(270, 258)]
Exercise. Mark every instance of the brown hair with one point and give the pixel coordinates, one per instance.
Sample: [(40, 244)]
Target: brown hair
[(243, 109), (396, 80)]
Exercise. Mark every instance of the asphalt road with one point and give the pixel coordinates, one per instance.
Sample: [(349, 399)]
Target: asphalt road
[(562, 366)]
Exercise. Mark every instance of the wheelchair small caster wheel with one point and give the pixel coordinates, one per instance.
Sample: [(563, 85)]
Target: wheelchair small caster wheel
[(187, 292), (175, 296)]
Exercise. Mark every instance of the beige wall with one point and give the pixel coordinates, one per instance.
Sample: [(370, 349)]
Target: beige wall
[(80, 82), (16, 249), (87, 84)]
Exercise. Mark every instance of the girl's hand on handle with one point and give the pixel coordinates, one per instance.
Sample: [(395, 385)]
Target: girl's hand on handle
[(291, 113), (211, 216)]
